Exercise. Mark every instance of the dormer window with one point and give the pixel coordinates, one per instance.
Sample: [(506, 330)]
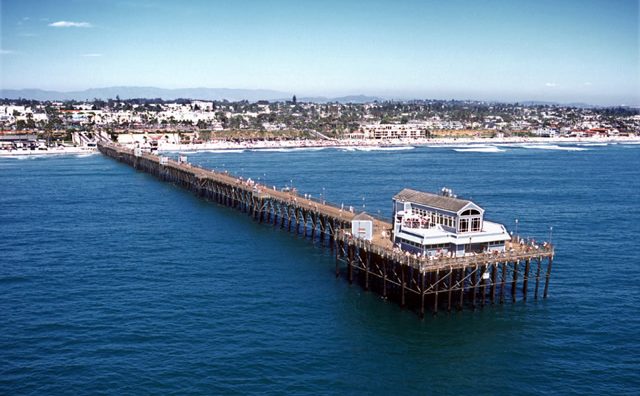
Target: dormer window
[(470, 221)]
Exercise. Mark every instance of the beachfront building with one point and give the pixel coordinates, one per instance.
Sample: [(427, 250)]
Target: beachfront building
[(18, 141), (433, 225), (393, 131)]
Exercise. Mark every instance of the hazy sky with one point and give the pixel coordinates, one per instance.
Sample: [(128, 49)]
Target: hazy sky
[(558, 50)]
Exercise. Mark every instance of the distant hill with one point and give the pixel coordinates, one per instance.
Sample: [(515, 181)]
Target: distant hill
[(229, 94), (542, 103), (342, 99), (147, 92)]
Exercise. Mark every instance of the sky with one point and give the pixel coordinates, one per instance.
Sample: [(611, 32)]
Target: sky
[(566, 51)]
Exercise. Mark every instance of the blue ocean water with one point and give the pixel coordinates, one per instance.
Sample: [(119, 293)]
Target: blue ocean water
[(113, 282)]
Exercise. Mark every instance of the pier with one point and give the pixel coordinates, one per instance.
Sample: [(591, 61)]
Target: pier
[(423, 284)]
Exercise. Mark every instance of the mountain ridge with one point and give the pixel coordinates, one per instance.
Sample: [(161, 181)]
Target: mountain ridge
[(230, 94), (133, 92)]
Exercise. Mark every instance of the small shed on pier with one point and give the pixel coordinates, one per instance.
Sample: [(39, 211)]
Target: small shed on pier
[(362, 226)]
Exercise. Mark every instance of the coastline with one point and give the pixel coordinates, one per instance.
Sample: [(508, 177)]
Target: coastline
[(224, 145), (348, 144)]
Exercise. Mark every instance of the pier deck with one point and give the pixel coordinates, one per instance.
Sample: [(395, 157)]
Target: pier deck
[(411, 280)]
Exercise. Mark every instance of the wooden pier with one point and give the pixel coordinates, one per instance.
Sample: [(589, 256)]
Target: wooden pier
[(419, 283)]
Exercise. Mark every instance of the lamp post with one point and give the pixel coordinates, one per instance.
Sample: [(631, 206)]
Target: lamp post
[(516, 229), (550, 233)]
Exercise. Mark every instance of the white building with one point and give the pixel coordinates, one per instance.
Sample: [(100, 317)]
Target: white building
[(393, 131), (430, 225)]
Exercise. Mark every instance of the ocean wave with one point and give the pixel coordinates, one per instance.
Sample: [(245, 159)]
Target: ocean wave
[(26, 156), (462, 146), (554, 147), (287, 149), (399, 148), (488, 149), (223, 151)]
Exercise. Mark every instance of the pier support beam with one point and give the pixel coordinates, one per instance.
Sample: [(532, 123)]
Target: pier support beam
[(503, 282), (436, 290), (338, 253), (535, 296), (546, 283), (494, 281), (422, 294), (525, 279), (350, 264), (367, 259), (474, 282), (515, 281), (384, 277), (453, 275), (404, 285), (483, 282), (463, 275)]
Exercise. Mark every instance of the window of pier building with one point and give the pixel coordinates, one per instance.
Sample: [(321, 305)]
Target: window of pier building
[(434, 217), (475, 224), (464, 225), (470, 220)]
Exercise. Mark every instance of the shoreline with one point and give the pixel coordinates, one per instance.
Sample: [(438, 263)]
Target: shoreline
[(224, 145), (348, 144)]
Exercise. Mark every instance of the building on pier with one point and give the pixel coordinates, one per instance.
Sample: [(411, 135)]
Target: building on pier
[(362, 226), (433, 225)]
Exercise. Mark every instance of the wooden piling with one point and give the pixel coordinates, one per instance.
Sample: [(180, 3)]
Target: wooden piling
[(525, 279), (546, 283), (514, 282), (384, 277), (474, 282), (422, 293), (367, 256), (494, 281), (402, 303), (436, 290), (503, 282), (452, 280), (483, 289), (463, 276), (350, 264), (535, 296)]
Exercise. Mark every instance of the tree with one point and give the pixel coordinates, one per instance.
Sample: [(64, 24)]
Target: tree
[(202, 124), (294, 99)]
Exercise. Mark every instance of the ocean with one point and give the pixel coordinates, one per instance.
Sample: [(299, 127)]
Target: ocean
[(112, 282)]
